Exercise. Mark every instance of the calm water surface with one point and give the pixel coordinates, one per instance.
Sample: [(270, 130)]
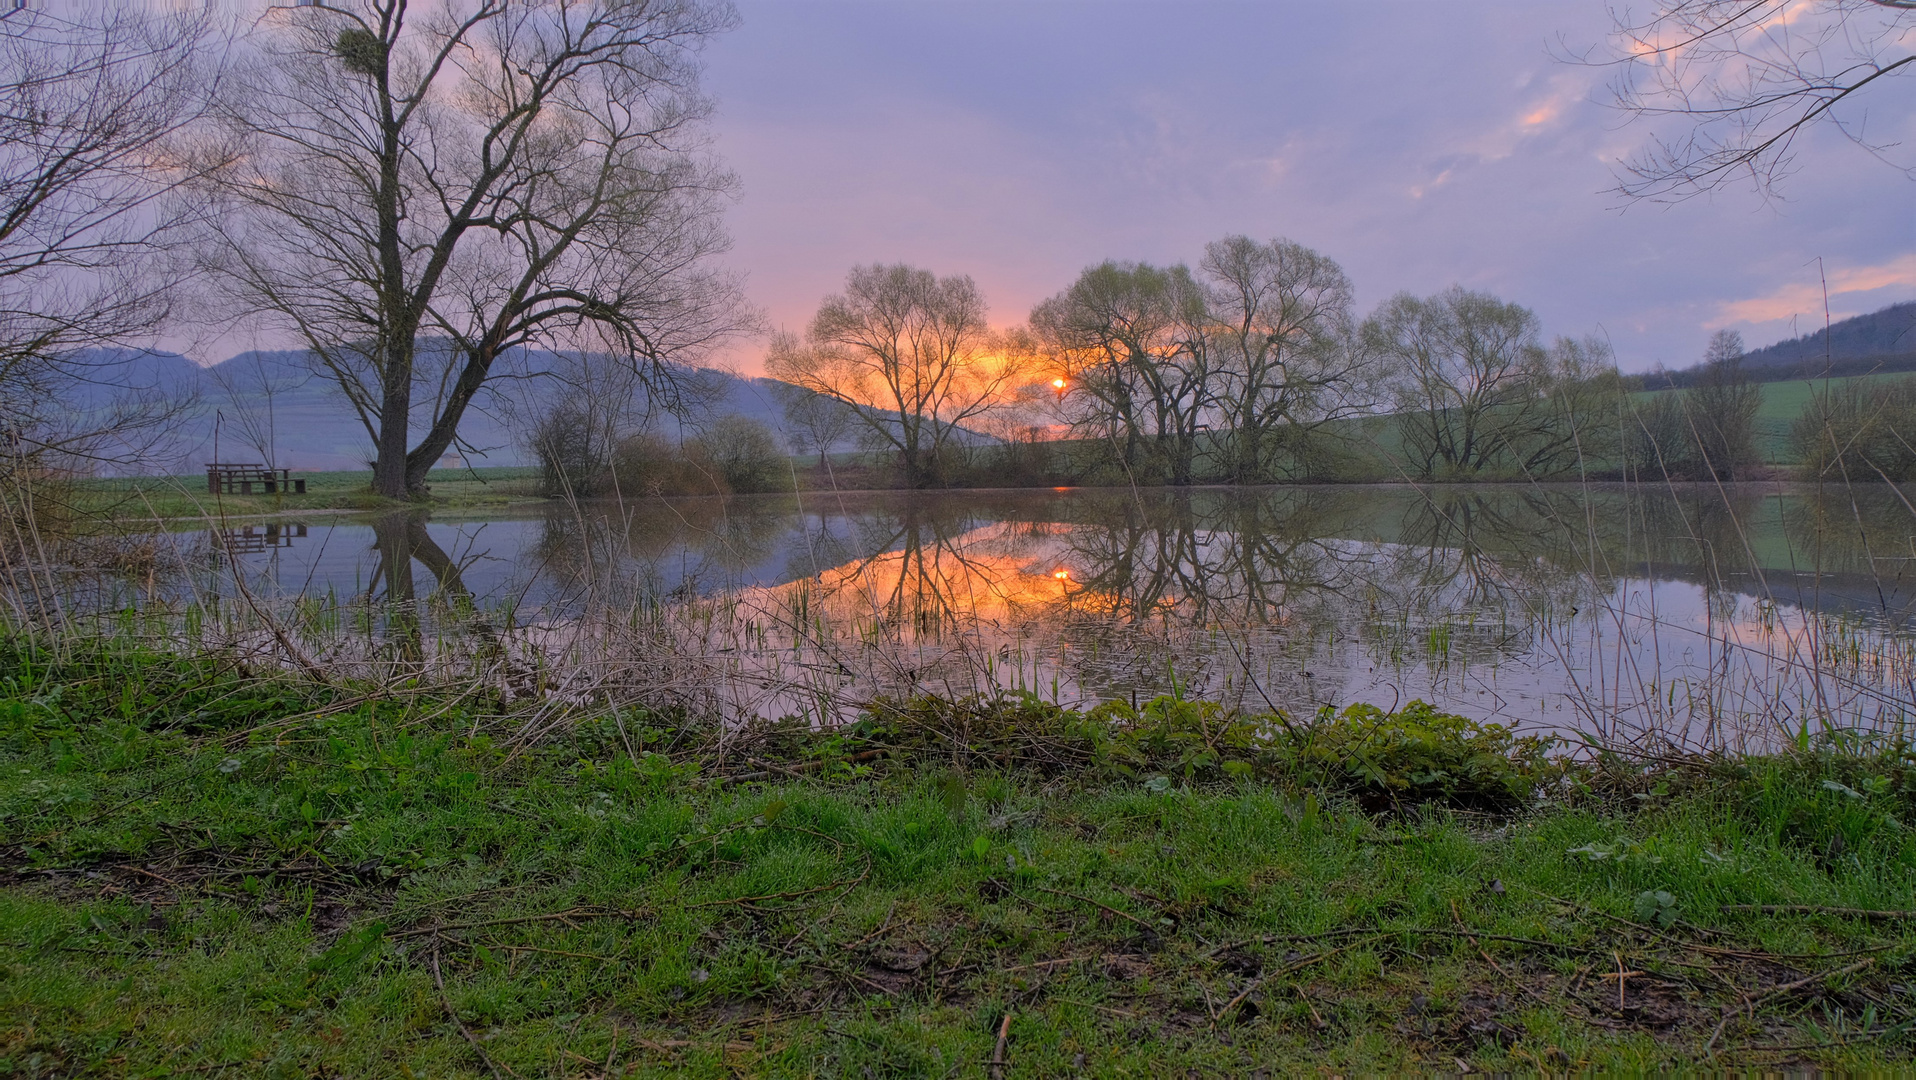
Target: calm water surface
[(1700, 613)]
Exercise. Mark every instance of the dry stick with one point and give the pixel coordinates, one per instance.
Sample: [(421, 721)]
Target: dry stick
[(557, 952), (1495, 966), (1268, 939), (1752, 1003), (848, 884), (1094, 903), (881, 928), (557, 915), (458, 1023), (1286, 970), (998, 1052), (1622, 976), (1709, 949), (1817, 909), (613, 1055), (1317, 1019)]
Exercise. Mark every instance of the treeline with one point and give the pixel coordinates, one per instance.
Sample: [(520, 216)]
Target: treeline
[(1249, 368), (1252, 367)]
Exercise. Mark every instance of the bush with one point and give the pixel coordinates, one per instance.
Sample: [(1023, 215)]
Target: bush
[(571, 453), (646, 464), (1415, 756), (736, 454), (1858, 431), (744, 453)]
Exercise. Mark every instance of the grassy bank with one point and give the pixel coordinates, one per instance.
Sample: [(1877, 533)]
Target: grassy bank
[(213, 873), (167, 498)]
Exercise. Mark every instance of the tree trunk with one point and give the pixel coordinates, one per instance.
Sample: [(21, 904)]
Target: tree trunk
[(445, 428), (395, 408)]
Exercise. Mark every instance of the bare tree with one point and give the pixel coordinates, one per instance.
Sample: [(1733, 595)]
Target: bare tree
[(91, 97), (1468, 378), (910, 354), (1722, 409), (252, 385), (414, 195), (1744, 79), (814, 421), (1130, 340), (1287, 358)]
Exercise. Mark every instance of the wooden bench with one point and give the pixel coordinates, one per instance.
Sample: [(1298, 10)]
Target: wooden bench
[(228, 478)]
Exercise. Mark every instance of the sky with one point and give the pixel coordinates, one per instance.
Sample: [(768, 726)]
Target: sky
[(1419, 144)]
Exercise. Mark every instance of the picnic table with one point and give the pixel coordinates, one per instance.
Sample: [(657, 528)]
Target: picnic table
[(230, 478)]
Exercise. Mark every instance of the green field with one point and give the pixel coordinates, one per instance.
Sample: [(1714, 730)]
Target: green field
[(186, 498), (1783, 402)]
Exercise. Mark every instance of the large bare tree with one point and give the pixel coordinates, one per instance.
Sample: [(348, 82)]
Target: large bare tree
[(1468, 377), (418, 191), (911, 355), (91, 97), (1131, 342), (1729, 87), (1287, 357)]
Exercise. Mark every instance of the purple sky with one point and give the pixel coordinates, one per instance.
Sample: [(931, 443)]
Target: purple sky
[(1419, 144)]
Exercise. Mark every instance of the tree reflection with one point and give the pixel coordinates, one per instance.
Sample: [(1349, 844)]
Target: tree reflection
[(400, 540)]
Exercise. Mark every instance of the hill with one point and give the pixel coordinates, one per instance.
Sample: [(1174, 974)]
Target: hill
[(1881, 341), (261, 405)]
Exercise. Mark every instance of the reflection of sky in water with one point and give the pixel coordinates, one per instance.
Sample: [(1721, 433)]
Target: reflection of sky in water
[(1043, 597)]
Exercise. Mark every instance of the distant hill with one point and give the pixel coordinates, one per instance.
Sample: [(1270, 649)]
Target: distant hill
[(261, 398), (1882, 341)]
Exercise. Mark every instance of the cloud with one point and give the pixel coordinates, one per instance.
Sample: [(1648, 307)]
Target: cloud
[(1806, 297)]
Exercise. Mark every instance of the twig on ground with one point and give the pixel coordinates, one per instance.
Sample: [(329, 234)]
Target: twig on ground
[(1774, 991), (1317, 1019), (1094, 903), (847, 884), (559, 916), (1818, 909), (998, 1052), (881, 928), (1622, 976), (458, 1023), (1287, 969), (1495, 966)]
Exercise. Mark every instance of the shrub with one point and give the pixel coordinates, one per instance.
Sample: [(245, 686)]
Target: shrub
[(1420, 755), (1858, 431), (1414, 756), (571, 453), (744, 453), (645, 463)]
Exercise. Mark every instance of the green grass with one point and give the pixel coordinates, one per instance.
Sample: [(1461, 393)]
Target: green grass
[(1783, 402), (185, 497), (210, 873)]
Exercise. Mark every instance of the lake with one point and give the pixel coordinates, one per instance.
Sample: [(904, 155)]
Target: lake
[(1699, 615)]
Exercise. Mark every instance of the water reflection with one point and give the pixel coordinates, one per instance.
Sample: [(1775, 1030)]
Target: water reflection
[(1681, 608), (253, 539)]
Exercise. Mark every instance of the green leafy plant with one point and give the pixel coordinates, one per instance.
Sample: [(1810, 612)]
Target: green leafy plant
[(1656, 906)]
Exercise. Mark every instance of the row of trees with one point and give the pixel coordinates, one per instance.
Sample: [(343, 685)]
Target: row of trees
[(1250, 368)]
